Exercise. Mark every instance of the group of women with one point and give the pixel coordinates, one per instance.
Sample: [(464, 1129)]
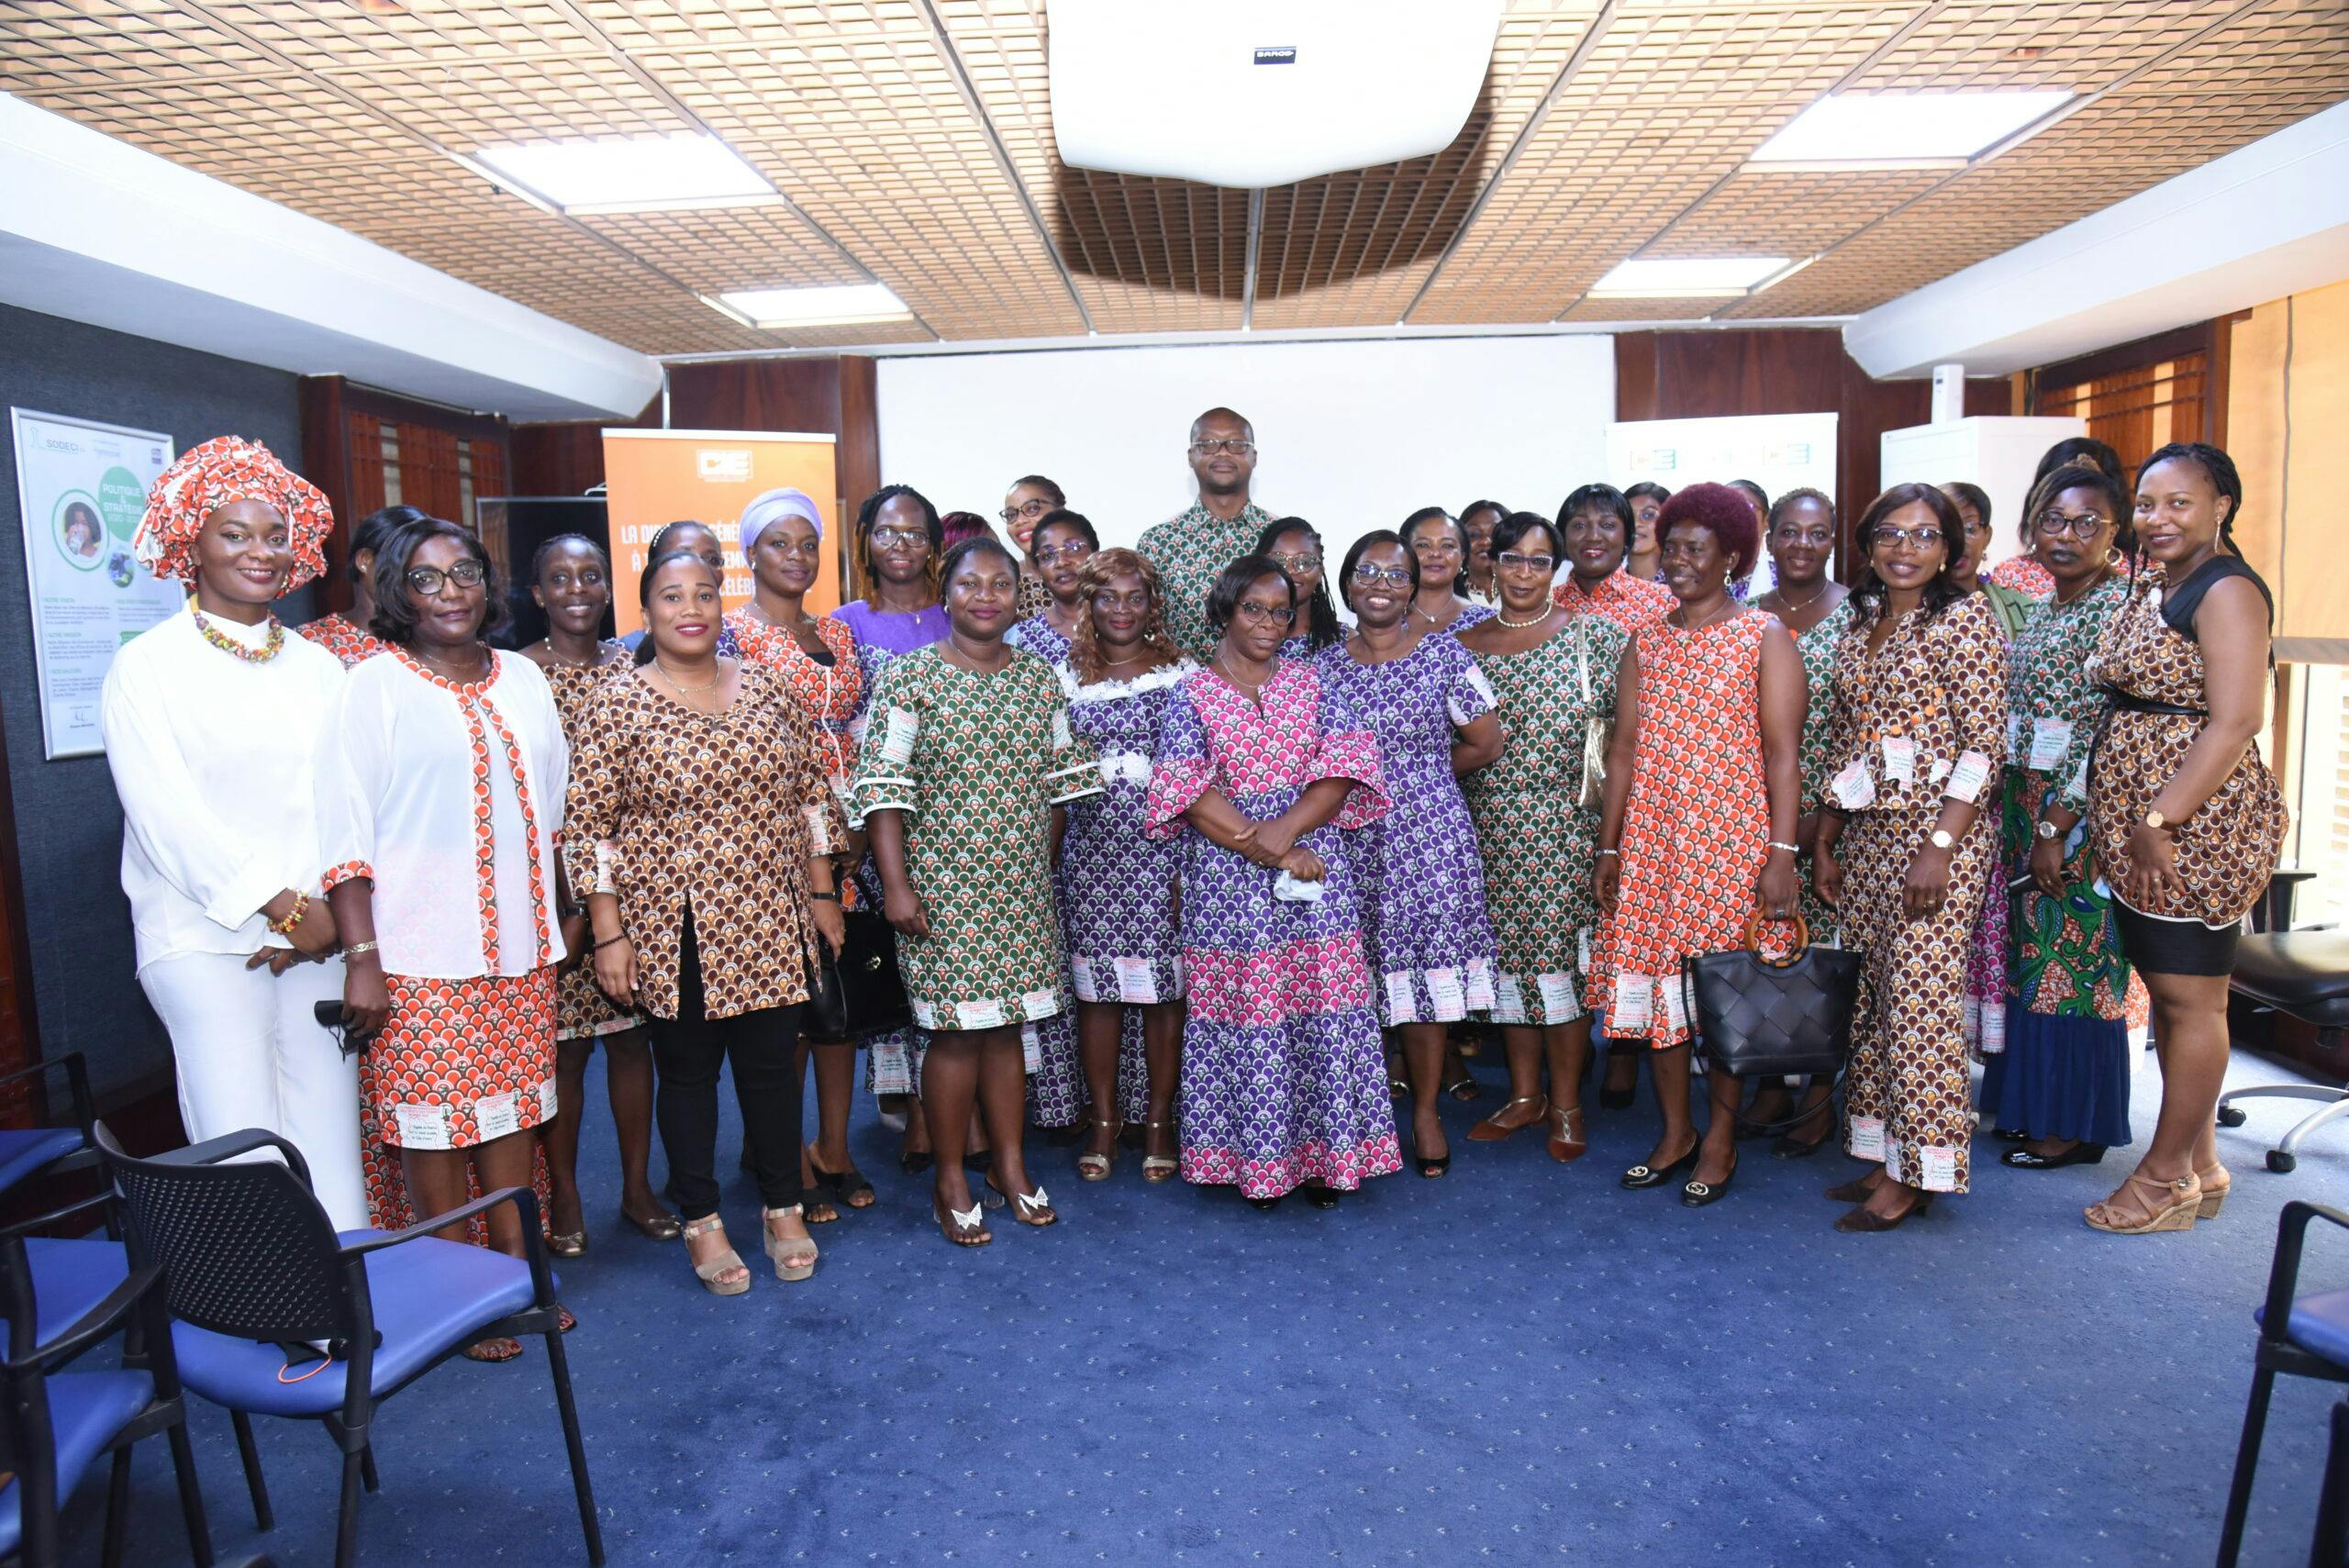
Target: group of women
[(1244, 899)]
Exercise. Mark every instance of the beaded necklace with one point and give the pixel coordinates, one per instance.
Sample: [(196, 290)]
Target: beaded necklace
[(227, 644)]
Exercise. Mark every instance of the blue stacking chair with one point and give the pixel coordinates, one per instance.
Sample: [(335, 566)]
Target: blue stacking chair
[(256, 1278), (25, 1151), (2306, 1336), (56, 1423)]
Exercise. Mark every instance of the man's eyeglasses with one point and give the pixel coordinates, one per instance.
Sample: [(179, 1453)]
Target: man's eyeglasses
[(427, 581), (1036, 508), (1518, 559), (1371, 576), (2050, 523), (1262, 614), (1237, 446), (1302, 561)]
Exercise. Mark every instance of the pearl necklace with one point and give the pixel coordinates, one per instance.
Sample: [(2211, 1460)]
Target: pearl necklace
[(1519, 625), (227, 644)]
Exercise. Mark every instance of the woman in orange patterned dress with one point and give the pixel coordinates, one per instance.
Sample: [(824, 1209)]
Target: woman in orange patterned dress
[(2184, 816), (346, 636), (1918, 733), (783, 542), (1703, 787)]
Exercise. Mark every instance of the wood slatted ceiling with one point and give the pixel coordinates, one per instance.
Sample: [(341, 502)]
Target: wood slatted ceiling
[(1604, 130)]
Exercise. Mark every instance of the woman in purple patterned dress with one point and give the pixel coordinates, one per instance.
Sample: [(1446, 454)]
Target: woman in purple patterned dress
[(1120, 888), (1063, 541), (1430, 941), (1440, 545), (1283, 1084)]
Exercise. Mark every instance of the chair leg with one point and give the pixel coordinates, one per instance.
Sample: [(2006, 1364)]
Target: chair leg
[(118, 1508), (346, 1528), (2254, 1426), (263, 1517), (559, 1370), (199, 1532), (367, 1477), (2330, 1544)]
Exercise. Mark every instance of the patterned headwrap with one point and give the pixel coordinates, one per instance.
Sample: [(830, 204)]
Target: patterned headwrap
[(773, 507), (222, 470)]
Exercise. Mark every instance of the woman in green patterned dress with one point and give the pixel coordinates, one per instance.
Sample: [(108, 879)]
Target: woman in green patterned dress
[(1810, 604), (2062, 1078), (1554, 673), (967, 761)]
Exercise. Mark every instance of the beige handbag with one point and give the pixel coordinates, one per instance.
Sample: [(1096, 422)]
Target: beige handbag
[(1597, 734)]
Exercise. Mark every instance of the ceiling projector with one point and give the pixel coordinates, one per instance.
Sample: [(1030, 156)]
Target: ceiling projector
[(1256, 92)]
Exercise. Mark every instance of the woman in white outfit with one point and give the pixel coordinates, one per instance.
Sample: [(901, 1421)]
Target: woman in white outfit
[(211, 719)]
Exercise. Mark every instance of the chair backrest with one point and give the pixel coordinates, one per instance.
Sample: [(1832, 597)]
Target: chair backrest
[(28, 1442), (245, 1249)]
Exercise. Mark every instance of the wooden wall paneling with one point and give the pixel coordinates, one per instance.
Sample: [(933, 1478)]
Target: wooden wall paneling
[(756, 395), (860, 432), (325, 463), (1635, 370)]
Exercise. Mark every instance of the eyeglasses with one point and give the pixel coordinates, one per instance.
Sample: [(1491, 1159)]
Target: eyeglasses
[(1262, 614), (1073, 550), (1977, 529), (1923, 539), (427, 581), (2052, 523), (1302, 561), (1512, 557), (1237, 447), (1370, 576), (889, 539), (1036, 508)]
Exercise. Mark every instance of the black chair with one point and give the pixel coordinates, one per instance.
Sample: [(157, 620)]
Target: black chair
[(24, 1150), (2306, 1337), (257, 1278), (57, 1423), (2303, 974)]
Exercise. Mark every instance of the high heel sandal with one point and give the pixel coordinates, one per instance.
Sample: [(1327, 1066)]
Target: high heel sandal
[(846, 1183), (1490, 1130), (1156, 1168), (2175, 1207), (2213, 1199), (1465, 1088), (1091, 1167), (1567, 1143), (962, 1226), (800, 1250), (727, 1261), (1033, 1209)]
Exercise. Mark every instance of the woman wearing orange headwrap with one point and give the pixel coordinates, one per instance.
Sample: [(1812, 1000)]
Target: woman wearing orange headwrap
[(210, 719)]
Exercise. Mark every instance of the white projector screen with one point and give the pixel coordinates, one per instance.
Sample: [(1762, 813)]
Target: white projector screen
[(1354, 436)]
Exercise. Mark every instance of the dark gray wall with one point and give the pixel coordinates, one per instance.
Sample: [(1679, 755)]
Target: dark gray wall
[(69, 824)]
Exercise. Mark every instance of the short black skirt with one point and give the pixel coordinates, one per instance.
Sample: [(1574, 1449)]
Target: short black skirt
[(2175, 947)]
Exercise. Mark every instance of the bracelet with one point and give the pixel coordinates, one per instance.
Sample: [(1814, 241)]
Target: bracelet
[(1616, 853), (609, 942), (293, 916), (824, 896), (351, 950), (1791, 849)]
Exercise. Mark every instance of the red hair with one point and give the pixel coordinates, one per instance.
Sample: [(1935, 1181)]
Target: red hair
[(1722, 511)]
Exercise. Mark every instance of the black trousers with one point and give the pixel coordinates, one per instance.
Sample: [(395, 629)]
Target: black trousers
[(686, 1055)]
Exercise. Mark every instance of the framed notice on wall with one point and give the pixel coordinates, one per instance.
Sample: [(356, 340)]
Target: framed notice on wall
[(1778, 452), (651, 477), (80, 486)]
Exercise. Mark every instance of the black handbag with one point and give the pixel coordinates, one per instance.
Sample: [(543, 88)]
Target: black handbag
[(860, 993), (1758, 1016)]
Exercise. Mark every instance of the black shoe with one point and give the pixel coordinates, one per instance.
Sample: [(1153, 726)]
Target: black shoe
[(1640, 1176), (2077, 1154), (1790, 1146), (1322, 1198), (1432, 1167), (1263, 1205), (1617, 1099), (914, 1162), (2010, 1135), (1696, 1194)]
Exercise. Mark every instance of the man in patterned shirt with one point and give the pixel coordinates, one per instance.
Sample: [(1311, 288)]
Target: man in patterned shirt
[(1191, 549)]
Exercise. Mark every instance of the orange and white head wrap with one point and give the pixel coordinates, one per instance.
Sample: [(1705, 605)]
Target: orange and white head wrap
[(222, 470)]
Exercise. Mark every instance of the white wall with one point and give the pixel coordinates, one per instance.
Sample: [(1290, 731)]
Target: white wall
[(1354, 436)]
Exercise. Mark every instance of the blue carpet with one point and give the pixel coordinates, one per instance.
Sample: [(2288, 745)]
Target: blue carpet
[(1516, 1363)]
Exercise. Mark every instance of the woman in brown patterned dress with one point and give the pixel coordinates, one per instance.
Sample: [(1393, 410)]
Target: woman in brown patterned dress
[(703, 826), (2182, 813), (1919, 733), (570, 580)]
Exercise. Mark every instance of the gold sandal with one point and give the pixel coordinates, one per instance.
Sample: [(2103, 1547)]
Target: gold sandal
[(1156, 1168), (2174, 1208), (1091, 1167), (1490, 1130), (800, 1250), (2214, 1198), (727, 1261)]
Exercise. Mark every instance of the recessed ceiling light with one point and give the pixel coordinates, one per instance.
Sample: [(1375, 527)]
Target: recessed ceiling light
[(642, 173), (1877, 130), (1705, 277), (829, 305)]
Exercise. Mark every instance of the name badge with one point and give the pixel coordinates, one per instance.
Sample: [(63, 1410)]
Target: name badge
[(1900, 760), (1402, 1005), (497, 1116), (1136, 983), (898, 739), (1040, 1004), (1508, 1002), (2050, 739), (422, 1127), (1480, 985), (1557, 996), (1853, 790), (1444, 991), (1867, 1138), (1080, 972), (986, 1014), (1938, 1174)]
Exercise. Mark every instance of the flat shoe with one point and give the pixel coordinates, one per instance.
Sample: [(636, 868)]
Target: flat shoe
[(570, 1244), (2078, 1154), (662, 1226), (1565, 1149), (1490, 1130), (1696, 1194), (1643, 1176)]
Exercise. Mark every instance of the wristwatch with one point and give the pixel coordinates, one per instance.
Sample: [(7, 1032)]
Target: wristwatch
[(1942, 839), (2157, 821), (2048, 829)]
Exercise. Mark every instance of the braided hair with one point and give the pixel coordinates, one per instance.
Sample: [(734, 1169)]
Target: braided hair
[(2216, 466), (1321, 627)]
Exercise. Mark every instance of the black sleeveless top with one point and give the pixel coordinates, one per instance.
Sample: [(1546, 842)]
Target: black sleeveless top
[(2183, 599)]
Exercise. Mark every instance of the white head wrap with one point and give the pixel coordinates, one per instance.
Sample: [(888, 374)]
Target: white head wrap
[(772, 508)]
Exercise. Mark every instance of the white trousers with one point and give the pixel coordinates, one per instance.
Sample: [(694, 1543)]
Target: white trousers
[(250, 1053)]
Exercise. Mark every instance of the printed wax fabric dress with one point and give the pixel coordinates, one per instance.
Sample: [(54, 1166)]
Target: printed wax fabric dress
[(1121, 889), (2069, 994), (582, 1011), (1056, 1074), (1817, 647), (343, 638), (1696, 826), (974, 760), (1430, 941), (1036, 635), (1538, 846), (1190, 551), (1283, 1077)]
